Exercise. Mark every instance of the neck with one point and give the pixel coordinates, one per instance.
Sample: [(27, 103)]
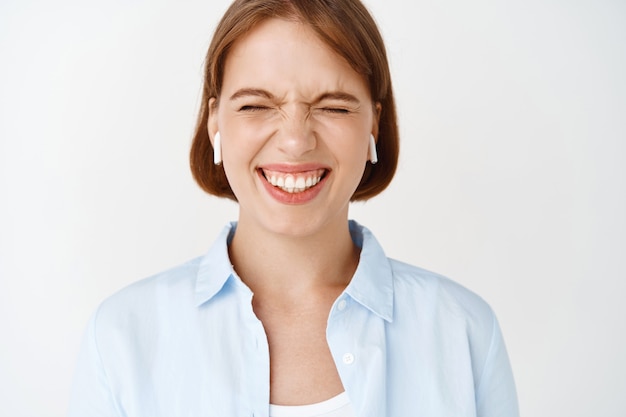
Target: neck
[(289, 266)]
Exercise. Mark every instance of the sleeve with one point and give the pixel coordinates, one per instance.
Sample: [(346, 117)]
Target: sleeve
[(495, 393), (91, 394)]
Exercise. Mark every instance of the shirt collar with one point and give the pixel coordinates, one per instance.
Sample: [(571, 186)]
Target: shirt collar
[(371, 285), (215, 267)]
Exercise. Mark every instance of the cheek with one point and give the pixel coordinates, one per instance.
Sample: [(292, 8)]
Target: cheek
[(350, 150), (351, 144), (239, 143)]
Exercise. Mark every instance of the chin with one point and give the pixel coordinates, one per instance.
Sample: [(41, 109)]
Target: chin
[(298, 225)]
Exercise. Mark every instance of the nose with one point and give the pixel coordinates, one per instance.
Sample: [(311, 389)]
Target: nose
[(295, 136)]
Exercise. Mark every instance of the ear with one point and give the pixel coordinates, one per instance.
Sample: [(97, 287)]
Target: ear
[(377, 110), (212, 125)]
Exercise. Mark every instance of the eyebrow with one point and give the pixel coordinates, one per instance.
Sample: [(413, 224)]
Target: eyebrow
[(338, 95), (330, 95), (256, 92)]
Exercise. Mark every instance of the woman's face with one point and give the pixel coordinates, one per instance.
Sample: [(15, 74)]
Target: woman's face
[(295, 121)]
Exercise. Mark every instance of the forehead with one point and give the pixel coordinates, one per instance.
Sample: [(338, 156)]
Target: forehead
[(281, 54)]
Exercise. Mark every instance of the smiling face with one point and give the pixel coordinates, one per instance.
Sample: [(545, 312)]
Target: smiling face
[(295, 121)]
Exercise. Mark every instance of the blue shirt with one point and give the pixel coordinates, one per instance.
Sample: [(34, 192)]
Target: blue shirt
[(186, 342)]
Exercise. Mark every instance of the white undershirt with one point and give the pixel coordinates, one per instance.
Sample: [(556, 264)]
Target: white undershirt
[(338, 406)]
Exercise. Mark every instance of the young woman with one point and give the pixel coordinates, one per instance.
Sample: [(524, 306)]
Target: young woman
[(295, 310)]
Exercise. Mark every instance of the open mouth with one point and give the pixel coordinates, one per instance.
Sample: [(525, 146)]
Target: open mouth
[(294, 182)]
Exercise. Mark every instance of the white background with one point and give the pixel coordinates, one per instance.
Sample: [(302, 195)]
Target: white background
[(512, 178)]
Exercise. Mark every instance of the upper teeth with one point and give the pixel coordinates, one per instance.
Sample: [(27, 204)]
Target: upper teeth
[(293, 182)]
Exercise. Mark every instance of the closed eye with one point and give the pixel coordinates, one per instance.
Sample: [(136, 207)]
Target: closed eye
[(251, 108), (335, 110)]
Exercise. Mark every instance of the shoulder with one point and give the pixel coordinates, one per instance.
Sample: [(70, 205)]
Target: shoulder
[(381, 281), (146, 297), (445, 312), (432, 313), (411, 281), (431, 301)]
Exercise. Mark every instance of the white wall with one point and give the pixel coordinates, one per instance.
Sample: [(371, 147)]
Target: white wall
[(512, 178)]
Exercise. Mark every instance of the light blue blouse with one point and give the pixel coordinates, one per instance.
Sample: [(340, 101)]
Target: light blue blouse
[(186, 342)]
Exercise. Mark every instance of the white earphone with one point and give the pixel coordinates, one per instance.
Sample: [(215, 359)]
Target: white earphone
[(217, 149), (373, 154)]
